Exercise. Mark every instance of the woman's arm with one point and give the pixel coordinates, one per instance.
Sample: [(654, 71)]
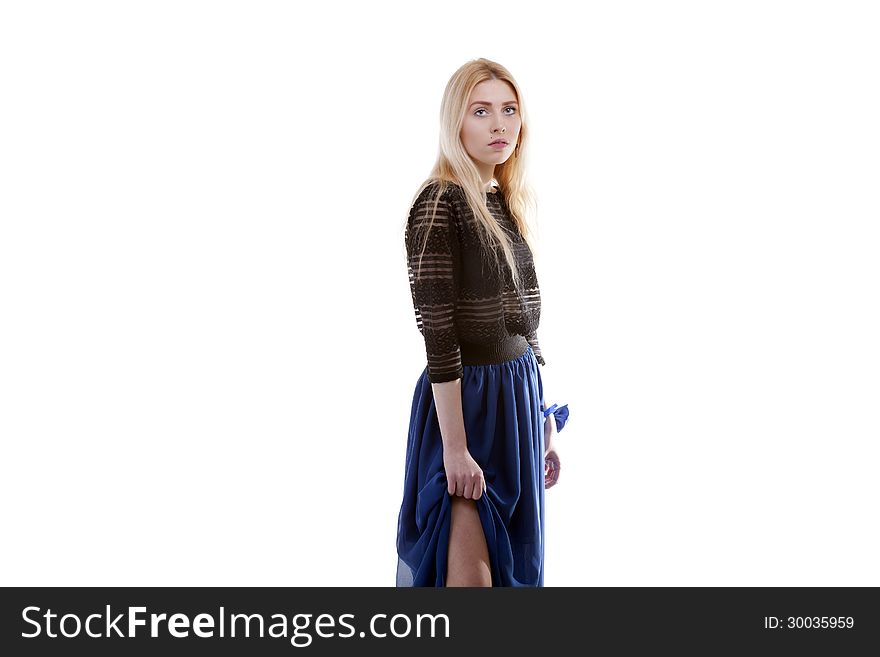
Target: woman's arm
[(447, 399), (549, 433), (463, 475), (434, 276), (433, 261)]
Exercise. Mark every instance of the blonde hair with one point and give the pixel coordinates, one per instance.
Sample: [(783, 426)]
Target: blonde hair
[(454, 165)]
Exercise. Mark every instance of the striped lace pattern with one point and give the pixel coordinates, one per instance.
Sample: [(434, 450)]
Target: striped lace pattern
[(456, 293)]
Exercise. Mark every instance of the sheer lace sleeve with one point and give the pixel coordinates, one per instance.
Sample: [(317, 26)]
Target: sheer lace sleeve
[(533, 341), (433, 277)]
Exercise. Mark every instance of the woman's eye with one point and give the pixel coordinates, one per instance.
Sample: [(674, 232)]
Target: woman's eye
[(507, 108)]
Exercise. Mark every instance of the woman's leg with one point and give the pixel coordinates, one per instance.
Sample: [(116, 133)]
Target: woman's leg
[(468, 559)]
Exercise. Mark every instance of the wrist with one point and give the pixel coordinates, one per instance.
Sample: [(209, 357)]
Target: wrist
[(455, 448)]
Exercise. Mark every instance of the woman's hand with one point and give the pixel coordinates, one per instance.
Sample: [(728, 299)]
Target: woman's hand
[(551, 468), (551, 456), (464, 477)]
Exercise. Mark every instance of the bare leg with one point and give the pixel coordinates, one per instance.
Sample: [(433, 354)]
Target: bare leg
[(468, 559)]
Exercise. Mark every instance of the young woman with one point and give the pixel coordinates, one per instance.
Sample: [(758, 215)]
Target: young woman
[(480, 450)]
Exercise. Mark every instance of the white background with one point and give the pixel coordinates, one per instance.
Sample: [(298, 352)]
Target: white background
[(207, 346)]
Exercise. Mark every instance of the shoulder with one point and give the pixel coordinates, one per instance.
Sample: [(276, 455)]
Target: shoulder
[(435, 210), (447, 191), (438, 201)]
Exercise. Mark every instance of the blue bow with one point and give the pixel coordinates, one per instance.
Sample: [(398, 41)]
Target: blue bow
[(560, 413)]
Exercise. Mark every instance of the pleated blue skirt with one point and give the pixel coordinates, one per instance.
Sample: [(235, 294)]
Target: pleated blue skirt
[(504, 425)]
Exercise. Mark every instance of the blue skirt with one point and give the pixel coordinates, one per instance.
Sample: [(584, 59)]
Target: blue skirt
[(504, 425)]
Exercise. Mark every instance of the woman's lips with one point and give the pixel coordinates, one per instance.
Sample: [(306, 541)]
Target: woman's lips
[(498, 145)]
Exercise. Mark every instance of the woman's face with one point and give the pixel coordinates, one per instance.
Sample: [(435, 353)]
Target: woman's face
[(492, 114)]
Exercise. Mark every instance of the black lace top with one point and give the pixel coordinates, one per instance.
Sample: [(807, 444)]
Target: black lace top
[(462, 306)]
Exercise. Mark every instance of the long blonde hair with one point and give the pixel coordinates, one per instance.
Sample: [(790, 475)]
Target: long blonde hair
[(454, 165)]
